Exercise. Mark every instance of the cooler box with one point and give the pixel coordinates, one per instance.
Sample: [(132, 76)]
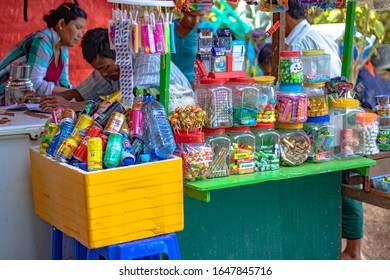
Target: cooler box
[(110, 206)]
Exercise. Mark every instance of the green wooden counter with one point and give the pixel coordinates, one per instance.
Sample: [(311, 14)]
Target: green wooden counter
[(290, 213)]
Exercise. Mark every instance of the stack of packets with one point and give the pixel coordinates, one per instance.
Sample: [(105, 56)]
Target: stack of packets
[(242, 160), (218, 52)]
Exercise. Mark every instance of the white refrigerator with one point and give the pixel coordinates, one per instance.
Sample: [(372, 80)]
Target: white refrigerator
[(23, 235)]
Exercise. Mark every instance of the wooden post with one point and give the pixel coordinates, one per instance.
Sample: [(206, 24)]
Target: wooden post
[(278, 42)]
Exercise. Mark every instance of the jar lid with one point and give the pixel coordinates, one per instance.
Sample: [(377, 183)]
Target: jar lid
[(291, 87), (207, 130), (290, 125), (264, 79), (366, 117), (189, 137), (313, 52), (243, 80), (239, 128), (264, 125), (213, 81), (19, 71), (289, 53), (345, 103), (317, 84), (319, 119)]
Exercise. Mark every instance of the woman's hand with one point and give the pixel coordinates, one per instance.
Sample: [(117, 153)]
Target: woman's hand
[(49, 102)]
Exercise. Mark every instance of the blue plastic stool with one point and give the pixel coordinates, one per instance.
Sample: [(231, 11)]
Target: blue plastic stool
[(146, 249), (79, 251)]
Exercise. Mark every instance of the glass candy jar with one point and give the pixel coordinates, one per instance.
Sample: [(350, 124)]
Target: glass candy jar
[(342, 114), (291, 104), (220, 145), (243, 145), (316, 66), (321, 135), (215, 98), (290, 67), (245, 101), (267, 101), (196, 154), (367, 127), (294, 144), (317, 104), (267, 147)]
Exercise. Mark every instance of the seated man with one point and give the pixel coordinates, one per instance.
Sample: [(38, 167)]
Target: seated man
[(104, 80)]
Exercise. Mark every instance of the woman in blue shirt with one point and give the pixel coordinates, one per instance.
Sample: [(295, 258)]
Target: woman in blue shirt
[(47, 50), (186, 37)]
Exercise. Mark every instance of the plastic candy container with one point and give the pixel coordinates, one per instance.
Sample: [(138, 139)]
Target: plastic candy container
[(196, 154), (267, 147), (346, 137), (220, 145), (294, 144), (273, 6), (291, 104), (316, 65), (321, 134), (242, 157), (216, 100), (245, 101), (267, 101), (317, 104), (290, 68), (367, 126)]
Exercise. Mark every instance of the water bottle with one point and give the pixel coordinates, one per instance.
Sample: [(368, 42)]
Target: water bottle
[(160, 132)]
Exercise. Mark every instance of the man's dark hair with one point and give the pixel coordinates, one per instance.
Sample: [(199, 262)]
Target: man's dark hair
[(265, 54), (296, 10), (95, 43)]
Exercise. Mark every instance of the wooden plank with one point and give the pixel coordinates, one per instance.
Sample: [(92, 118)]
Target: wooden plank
[(371, 197), (278, 41)]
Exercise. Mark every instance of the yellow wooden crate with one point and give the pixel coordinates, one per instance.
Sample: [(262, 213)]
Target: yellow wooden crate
[(109, 206)]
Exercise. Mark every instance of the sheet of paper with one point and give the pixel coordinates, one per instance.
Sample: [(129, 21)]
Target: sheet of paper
[(24, 106)]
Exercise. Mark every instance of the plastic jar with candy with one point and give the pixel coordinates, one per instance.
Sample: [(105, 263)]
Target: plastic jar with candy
[(367, 126), (294, 144), (245, 101), (316, 66), (267, 147), (290, 67), (220, 145), (346, 142), (321, 134), (215, 98), (196, 154), (291, 104), (317, 104), (243, 145), (267, 99)]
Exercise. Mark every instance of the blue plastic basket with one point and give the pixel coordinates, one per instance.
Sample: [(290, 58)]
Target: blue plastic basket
[(380, 184)]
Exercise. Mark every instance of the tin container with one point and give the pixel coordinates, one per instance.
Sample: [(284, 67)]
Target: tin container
[(65, 151), (18, 84), (113, 151), (64, 132), (95, 154), (114, 123), (49, 132), (104, 141), (56, 114), (68, 116), (102, 118), (81, 152), (81, 127)]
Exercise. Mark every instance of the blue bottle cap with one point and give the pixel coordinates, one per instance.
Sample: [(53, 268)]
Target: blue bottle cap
[(128, 161), (291, 87), (320, 119)]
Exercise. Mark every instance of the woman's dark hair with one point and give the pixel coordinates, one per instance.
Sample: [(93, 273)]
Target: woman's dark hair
[(68, 11), (296, 10), (265, 54), (95, 43)]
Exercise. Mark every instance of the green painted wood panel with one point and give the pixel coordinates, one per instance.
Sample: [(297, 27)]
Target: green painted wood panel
[(298, 218)]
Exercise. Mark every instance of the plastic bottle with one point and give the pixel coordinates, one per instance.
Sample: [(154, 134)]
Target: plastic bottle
[(136, 116), (161, 136), (127, 154)]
